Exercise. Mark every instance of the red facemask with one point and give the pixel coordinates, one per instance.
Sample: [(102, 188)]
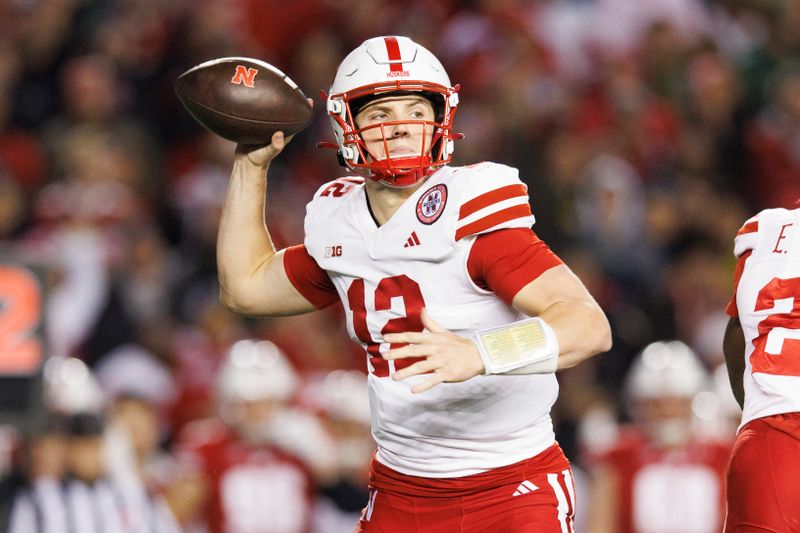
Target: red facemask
[(436, 148)]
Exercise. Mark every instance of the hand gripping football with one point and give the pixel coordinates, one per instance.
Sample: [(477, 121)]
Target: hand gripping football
[(243, 100)]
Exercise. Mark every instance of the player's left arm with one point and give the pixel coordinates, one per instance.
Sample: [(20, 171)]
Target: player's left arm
[(733, 346), (559, 298), (556, 296), (733, 343)]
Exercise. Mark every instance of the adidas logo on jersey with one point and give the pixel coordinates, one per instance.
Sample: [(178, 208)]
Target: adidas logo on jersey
[(524, 488), (413, 240)]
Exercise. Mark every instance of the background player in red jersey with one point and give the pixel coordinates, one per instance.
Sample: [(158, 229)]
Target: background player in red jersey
[(660, 476), (438, 272), (252, 469), (341, 400), (763, 357)]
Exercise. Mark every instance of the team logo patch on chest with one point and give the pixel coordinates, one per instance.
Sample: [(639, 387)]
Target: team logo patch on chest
[(431, 204)]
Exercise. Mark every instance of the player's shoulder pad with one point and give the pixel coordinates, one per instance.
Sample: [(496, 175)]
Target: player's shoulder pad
[(490, 196), (747, 236), (338, 187), (762, 225), (327, 204)]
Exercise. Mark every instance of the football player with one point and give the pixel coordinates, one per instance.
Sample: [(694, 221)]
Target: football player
[(464, 313), (252, 468), (341, 399), (763, 358), (660, 476)]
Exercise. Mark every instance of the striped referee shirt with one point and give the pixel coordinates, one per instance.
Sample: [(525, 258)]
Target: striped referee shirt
[(73, 506)]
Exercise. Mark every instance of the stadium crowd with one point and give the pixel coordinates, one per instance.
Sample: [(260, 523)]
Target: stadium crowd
[(647, 132)]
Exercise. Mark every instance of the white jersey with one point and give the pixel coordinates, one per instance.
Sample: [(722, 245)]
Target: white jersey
[(768, 303), (385, 275)]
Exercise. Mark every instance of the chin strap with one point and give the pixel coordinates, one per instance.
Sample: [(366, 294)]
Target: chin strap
[(402, 173), (398, 179), (401, 180)]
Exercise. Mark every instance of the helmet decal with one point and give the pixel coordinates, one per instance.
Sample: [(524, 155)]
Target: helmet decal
[(395, 60)]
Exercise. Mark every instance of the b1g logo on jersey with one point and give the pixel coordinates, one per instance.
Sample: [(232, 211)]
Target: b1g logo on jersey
[(431, 204), (333, 251)]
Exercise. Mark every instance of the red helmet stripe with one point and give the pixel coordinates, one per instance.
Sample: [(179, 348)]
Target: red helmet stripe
[(393, 50)]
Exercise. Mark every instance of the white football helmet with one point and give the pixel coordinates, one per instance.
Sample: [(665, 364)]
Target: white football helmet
[(253, 385), (666, 368), (341, 395), (660, 388), (255, 370), (71, 388), (378, 67)]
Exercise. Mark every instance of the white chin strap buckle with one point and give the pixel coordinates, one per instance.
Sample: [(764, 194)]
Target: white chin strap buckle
[(349, 153), (335, 106), (449, 148), (453, 100)]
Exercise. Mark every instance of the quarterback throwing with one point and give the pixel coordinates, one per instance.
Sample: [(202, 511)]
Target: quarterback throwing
[(463, 312)]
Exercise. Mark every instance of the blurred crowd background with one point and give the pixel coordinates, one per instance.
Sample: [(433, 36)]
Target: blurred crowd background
[(647, 132)]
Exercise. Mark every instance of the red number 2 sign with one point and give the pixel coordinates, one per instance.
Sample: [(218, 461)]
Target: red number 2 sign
[(20, 314), (777, 346), (396, 286)]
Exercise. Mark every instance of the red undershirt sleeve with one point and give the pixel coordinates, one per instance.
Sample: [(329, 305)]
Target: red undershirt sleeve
[(506, 260), (308, 278), (731, 308)]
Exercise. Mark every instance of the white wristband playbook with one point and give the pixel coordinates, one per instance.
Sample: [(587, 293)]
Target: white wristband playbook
[(528, 346)]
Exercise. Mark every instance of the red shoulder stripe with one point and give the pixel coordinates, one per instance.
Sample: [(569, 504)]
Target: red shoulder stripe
[(750, 227), (491, 197), (482, 224)]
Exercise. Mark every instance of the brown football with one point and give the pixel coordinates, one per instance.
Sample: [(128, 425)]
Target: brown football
[(243, 100)]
